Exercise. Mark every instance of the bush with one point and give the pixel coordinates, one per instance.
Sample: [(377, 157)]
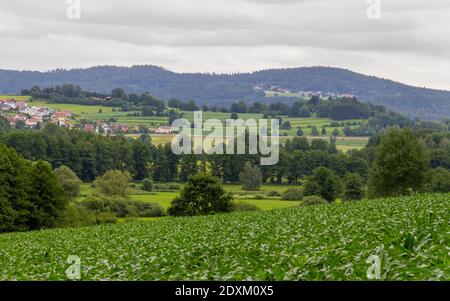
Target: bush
[(122, 207), (259, 197), (69, 181), (273, 193), (292, 194), (244, 207), (77, 215), (145, 209), (174, 186), (313, 200), (203, 194), (440, 180), (113, 183), (147, 185), (161, 187), (106, 218)]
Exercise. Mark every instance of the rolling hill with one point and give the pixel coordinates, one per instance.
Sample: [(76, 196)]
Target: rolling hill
[(222, 89)]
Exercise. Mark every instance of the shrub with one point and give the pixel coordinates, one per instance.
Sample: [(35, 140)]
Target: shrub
[(292, 194), (174, 186), (313, 200), (440, 180), (106, 218), (273, 193), (147, 185), (203, 194), (259, 197), (77, 215), (244, 207), (122, 207), (113, 183), (161, 187), (145, 209), (69, 181)]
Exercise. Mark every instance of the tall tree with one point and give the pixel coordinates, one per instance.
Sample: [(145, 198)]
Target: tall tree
[(401, 164), (203, 194), (250, 177), (323, 183)]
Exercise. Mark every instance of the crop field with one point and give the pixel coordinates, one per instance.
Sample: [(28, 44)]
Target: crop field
[(325, 242), (81, 110), (16, 97)]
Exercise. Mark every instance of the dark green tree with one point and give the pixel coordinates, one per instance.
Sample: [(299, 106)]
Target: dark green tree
[(203, 194), (323, 183), (401, 164), (353, 187), (47, 196)]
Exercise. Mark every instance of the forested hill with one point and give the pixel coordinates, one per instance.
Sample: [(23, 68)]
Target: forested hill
[(222, 89)]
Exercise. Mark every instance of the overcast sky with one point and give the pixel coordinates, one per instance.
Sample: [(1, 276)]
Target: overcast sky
[(409, 43)]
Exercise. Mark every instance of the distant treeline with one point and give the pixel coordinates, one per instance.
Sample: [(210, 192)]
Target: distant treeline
[(339, 109), (90, 155)]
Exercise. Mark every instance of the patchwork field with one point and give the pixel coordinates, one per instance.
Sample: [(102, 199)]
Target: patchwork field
[(409, 235), (101, 113)]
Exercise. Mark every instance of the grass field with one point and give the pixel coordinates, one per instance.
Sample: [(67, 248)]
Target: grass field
[(101, 113), (16, 97), (326, 242), (164, 198)]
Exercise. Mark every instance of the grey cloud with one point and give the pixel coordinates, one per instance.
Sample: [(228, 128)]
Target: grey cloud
[(223, 35)]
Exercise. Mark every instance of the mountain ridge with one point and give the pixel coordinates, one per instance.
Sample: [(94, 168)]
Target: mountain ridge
[(223, 89)]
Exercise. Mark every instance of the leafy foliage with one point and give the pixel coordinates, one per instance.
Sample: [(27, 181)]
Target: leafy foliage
[(31, 197), (113, 183), (353, 187), (313, 200), (323, 183), (292, 194), (401, 164), (409, 234), (203, 194), (250, 177), (147, 185), (68, 181)]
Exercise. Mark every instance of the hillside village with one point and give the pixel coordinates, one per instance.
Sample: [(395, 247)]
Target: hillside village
[(20, 115)]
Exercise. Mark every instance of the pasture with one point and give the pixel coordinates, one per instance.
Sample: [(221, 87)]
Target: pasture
[(163, 198), (102, 113)]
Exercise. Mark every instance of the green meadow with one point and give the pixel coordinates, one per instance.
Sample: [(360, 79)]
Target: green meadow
[(102, 113), (163, 198)]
